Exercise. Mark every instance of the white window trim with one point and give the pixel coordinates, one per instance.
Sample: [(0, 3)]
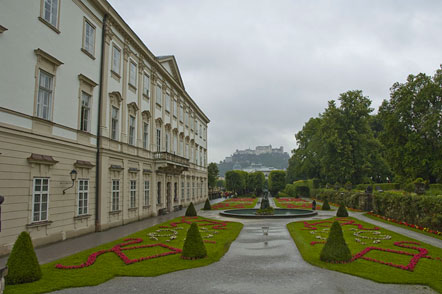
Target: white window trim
[(89, 51), (33, 200), (132, 194), (87, 197), (112, 195), (113, 69), (146, 190), (133, 76)]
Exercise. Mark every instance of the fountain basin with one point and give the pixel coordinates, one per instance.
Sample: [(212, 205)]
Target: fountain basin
[(278, 213)]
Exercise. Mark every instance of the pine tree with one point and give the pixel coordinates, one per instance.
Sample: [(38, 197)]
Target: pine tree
[(207, 205), (335, 249), (194, 246), (325, 205), (342, 211), (23, 266), (190, 211)]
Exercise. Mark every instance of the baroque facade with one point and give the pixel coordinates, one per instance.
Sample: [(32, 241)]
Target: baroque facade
[(83, 95)]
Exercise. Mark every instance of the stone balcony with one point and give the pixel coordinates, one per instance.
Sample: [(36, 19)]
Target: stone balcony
[(170, 163)]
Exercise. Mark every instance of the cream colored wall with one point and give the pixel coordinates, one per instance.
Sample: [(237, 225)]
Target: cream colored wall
[(16, 176)]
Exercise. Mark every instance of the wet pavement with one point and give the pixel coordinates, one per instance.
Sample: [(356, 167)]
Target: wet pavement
[(254, 264)]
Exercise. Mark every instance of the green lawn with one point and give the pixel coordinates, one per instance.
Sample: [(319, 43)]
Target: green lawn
[(403, 226), (109, 265), (424, 273)]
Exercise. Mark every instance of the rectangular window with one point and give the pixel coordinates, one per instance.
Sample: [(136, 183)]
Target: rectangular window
[(50, 12), (89, 38), (182, 148), (175, 111), (167, 102), (116, 59), (196, 129), (85, 112), (159, 193), (44, 99), (146, 85), (83, 193), (133, 74), (115, 195), (167, 142), (188, 191), (182, 190), (175, 144), (201, 131), (158, 140), (40, 196), (182, 113), (186, 119), (145, 135), (114, 130), (146, 193), (193, 190), (131, 130), (159, 95), (187, 151), (133, 194)]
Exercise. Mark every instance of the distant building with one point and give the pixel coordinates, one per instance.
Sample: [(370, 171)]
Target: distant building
[(258, 151)]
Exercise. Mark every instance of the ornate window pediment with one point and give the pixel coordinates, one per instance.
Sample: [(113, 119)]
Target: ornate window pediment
[(115, 97)]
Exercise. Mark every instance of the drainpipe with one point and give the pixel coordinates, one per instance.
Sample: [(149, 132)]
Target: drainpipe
[(97, 169)]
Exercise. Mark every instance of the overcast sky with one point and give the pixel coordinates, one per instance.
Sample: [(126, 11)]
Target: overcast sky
[(260, 69)]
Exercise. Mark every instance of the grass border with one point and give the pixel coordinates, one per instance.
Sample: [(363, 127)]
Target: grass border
[(109, 266), (362, 268), (402, 226)]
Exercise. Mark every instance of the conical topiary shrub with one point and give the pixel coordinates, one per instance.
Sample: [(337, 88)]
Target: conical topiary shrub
[(23, 266), (193, 246), (335, 249), (342, 211), (207, 205), (190, 211), (325, 205)]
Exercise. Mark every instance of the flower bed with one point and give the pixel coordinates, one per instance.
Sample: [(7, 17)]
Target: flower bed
[(144, 253), (235, 203), (297, 203), (424, 229), (394, 259)]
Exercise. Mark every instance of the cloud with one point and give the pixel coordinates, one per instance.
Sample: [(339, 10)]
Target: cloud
[(260, 69)]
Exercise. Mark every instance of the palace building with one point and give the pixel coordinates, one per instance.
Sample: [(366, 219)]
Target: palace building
[(95, 130)]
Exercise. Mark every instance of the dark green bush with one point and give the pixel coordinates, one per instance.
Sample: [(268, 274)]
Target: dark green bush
[(383, 186), (207, 205), (335, 249), (302, 191), (348, 186), (342, 211), (190, 211), (193, 245), (325, 205), (23, 266)]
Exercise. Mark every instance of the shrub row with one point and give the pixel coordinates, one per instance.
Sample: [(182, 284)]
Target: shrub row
[(414, 209), (383, 186)]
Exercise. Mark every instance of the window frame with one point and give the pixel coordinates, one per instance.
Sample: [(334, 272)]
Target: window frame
[(132, 194), (158, 141), (81, 202), (117, 119), (132, 128), (115, 48), (34, 193), (145, 135), (146, 85), (88, 119), (132, 75), (115, 195), (47, 22), (88, 51), (159, 95), (51, 95), (146, 192)]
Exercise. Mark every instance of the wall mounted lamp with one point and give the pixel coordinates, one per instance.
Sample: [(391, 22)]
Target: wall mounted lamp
[(73, 175)]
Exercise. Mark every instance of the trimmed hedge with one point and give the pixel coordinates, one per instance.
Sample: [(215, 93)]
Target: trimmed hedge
[(335, 249), (191, 211), (23, 266), (207, 205), (193, 245), (383, 186), (325, 205), (342, 211), (421, 210)]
